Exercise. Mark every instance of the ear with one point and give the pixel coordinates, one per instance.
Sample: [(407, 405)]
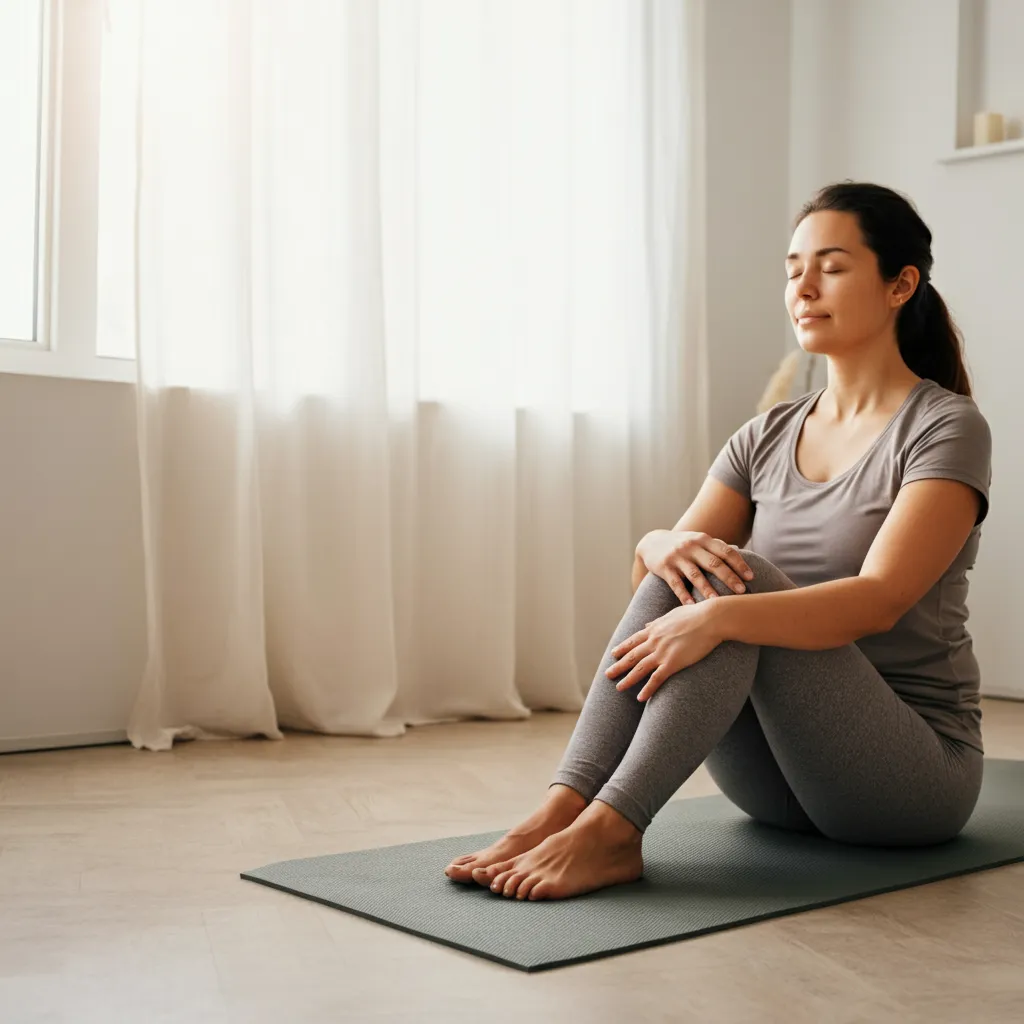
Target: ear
[(905, 286)]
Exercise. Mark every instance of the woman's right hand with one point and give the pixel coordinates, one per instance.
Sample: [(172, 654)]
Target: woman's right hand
[(673, 556)]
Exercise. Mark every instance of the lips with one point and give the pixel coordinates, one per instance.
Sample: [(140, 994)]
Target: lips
[(807, 318)]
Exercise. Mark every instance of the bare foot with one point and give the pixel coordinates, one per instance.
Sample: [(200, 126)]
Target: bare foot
[(561, 808), (600, 848)]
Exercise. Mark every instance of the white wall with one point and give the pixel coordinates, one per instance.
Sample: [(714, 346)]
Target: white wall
[(72, 603), (748, 198), (873, 98)]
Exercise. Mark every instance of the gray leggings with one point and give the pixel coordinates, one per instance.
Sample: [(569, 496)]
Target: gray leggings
[(811, 741)]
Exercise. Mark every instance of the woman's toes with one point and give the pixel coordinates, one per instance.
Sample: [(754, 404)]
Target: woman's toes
[(459, 861), (513, 884), (486, 875), (525, 886), (459, 872), (498, 884), (538, 890)]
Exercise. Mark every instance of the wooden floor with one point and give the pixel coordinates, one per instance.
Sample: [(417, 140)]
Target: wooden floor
[(120, 899)]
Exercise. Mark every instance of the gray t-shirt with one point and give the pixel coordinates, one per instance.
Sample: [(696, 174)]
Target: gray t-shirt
[(816, 532)]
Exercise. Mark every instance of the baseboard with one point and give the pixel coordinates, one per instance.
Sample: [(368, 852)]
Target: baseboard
[(27, 744), (1005, 694)]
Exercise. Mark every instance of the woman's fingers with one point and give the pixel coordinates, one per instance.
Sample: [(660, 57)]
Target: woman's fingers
[(675, 581), (651, 685), (720, 560), (732, 556), (717, 566), (644, 668), (692, 572), (620, 650), (620, 664)]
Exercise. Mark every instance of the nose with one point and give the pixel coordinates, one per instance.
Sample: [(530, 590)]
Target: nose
[(806, 288)]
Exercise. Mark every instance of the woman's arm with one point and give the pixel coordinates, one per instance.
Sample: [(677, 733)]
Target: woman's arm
[(717, 510), (928, 524), (812, 618)]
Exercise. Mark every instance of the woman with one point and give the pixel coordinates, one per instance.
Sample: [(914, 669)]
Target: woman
[(833, 689)]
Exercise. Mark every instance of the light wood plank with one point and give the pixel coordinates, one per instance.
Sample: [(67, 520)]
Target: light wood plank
[(121, 898)]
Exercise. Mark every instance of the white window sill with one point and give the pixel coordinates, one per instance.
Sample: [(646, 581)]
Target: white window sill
[(36, 361), (976, 152)]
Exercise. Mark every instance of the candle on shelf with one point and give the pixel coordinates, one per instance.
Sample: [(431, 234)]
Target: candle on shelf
[(988, 127)]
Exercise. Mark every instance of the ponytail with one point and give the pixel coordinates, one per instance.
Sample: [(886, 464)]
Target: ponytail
[(930, 341)]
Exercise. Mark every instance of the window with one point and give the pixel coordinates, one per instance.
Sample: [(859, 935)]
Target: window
[(20, 68), (49, 92)]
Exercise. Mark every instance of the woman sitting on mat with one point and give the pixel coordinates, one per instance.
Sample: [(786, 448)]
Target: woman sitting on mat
[(835, 691)]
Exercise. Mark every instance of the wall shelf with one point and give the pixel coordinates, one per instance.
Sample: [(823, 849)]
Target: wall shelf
[(976, 152), (989, 34)]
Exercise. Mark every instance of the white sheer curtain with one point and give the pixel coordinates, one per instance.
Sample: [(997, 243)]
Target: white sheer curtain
[(415, 288)]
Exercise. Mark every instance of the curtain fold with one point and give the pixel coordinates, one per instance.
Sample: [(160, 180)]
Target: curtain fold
[(416, 293)]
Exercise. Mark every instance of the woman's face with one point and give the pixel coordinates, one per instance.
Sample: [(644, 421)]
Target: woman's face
[(835, 295)]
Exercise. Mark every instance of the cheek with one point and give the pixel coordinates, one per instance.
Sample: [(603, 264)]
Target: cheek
[(844, 295), (855, 306)]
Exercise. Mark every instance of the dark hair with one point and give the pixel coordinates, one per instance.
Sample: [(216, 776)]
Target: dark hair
[(929, 341)]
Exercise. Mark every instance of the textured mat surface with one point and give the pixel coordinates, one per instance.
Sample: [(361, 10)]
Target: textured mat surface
[(707, 866)]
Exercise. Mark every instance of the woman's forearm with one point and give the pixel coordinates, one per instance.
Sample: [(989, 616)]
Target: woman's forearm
[(639, 572), (813, 618)]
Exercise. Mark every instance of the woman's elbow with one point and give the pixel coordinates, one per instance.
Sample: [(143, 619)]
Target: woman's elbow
[(878, 612), (883, 617)]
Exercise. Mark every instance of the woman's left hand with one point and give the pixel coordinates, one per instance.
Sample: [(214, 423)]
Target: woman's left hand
[(666, 645)]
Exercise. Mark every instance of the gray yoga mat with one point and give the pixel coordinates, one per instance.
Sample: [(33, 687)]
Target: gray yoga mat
[(707, 866)]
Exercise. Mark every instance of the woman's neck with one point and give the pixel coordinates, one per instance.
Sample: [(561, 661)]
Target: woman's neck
[(857, 387)]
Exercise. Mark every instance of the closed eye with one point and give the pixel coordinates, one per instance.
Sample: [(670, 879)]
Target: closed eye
[(793, 277)]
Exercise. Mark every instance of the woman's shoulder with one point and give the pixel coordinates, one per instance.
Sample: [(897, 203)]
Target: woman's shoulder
[(947, 436), (940, 409)]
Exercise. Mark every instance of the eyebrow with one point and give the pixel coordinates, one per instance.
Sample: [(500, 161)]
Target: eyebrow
[(820, 252)]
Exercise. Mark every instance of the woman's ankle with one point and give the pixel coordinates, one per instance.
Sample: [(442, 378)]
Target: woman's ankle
[(562, 806), (611, 822), (562, 796)]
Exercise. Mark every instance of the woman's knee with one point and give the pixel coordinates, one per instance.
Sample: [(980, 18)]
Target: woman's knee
[(767, 578), (655, 596), (658, 597), (767, 575)]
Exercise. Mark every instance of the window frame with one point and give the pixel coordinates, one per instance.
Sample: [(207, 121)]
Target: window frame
[(66, 214)]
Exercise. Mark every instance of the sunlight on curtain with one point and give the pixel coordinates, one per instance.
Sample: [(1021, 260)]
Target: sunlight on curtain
[(522, 243), (416, 295), (505, 196), (192, 166)]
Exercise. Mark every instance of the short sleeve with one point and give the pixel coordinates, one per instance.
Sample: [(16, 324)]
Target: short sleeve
[(955, 445), (732, 464)]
